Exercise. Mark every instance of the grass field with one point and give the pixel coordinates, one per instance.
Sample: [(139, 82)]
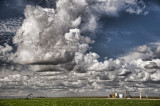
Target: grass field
[(78, 102)]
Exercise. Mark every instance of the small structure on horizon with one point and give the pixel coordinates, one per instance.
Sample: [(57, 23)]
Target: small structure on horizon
[(115, 95), (128, 96), (29, 96), (140, 94), (120, 95)]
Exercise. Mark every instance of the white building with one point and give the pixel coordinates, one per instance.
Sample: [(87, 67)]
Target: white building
[(120, 95)]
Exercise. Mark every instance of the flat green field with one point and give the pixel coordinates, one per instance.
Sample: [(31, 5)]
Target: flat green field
[(78, 102)]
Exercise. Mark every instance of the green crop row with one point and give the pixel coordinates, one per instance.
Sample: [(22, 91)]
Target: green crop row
[(78, 102)]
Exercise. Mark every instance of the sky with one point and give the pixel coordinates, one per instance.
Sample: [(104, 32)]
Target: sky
[(59, 48)]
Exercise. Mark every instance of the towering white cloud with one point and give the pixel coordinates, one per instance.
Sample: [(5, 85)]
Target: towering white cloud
[(44, 37)]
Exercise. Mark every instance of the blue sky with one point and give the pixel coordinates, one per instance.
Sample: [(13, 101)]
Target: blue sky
[(127, 31)]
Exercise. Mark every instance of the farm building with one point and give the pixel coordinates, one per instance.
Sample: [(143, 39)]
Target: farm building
[(115, 95)]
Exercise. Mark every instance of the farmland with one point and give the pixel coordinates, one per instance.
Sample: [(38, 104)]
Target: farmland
[(78, 102)]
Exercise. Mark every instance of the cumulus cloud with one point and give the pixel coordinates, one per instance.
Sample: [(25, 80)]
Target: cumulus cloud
[(40, 41), (143, 70), (5, 53), (53, 45), (51, 36), (151, 65), (141, 52), (156, 76)]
